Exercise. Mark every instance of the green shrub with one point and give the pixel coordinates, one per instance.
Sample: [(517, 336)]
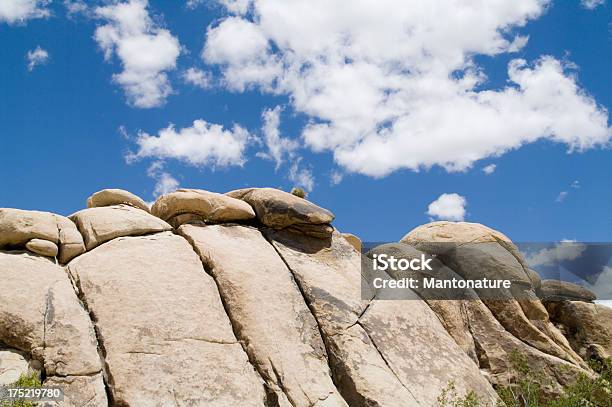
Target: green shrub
[(31, 379), (299, 192), (526, 390), (449, 397)]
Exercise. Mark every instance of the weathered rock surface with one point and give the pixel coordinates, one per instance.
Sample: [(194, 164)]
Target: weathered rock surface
[(587, 326), (17, 227), (41, 316), (165, 335), (99, 225), (556, 290), (353, 240), (279, 210), (12, 365), (71, 242), (42, 247), (209, 206), (395, 336), (112, 197), (280, 334), (475, 251), (272, 311)]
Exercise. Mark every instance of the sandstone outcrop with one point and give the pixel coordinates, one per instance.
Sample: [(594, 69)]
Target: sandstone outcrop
[(281, 210), (99, 225), (280, 334), (252, 298), (377, 330), (112, 197), (41, 317), (42, 247), (587, 326), (475, 251), (353, 240), (201, 205), (156, 310), (556, 290)]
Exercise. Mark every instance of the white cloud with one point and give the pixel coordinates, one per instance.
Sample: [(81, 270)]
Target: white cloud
[(489, 169), (592, 4), (19, 11), (575, 184), (37, 56), (235, 6), (146, 51), (448, 207), (335, 177), (202, 144), (301, 177), (165, 182), (562, 196), (277, 146), (564, 250), (197, 77), (74, 7), (389, 87)]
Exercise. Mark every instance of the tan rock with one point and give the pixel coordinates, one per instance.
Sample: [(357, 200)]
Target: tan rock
[(71, 242), (17, 227), (12, 365), (557, 290), (112, 197), (475, 251), (353, 240), (166, 336), (587, 326), (212, 207), (281, 334), (99, 225), (394, 336), (81, 391), (42, 247), (279, 210), (41, 316)]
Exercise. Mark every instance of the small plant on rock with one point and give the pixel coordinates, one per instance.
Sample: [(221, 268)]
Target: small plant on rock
[(299, 192), (450, 398), (31, 379)]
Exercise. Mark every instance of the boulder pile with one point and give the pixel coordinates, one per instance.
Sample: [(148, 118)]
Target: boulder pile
[(253, 298)]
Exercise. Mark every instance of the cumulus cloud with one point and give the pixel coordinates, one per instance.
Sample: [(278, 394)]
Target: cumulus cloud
[(592, 4), (388, 87), (489, 169), (37, 56), (562, 251), (19, 11), (448, 207), (146, 51), (75, 7), (165, 182), (202, 144), (301, 177), (197, 77), (278, 147)]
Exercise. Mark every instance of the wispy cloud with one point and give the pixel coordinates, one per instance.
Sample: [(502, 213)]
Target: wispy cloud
[(37, 56)]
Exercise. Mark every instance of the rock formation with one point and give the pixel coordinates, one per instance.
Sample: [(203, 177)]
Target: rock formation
[(252, 298)]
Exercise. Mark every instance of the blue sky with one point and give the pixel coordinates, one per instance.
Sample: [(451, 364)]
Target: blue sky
[(371, 111)]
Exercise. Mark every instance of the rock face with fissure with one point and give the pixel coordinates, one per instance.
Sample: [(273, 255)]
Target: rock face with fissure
[(42, 319), (273, 310), (396, 336), (278, 330), (162, 327)]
